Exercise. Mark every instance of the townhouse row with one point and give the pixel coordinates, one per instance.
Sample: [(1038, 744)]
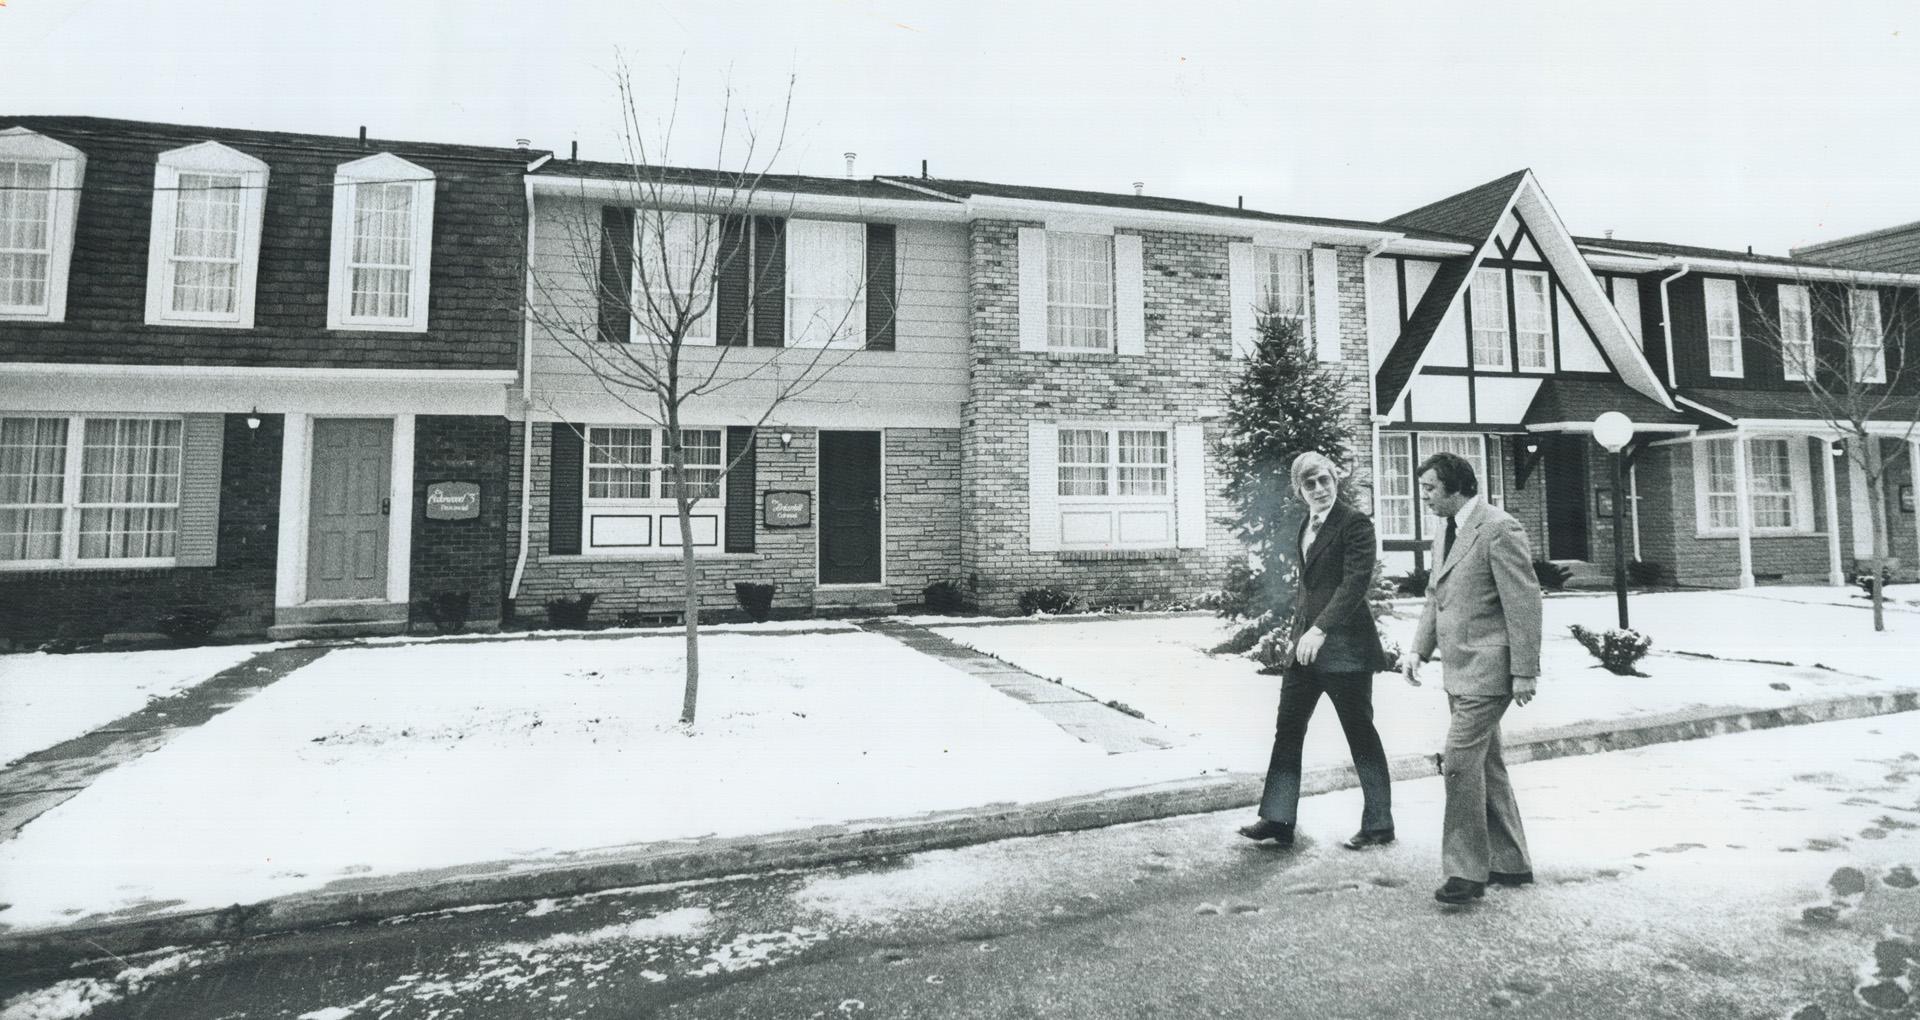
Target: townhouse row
[(317, 384)]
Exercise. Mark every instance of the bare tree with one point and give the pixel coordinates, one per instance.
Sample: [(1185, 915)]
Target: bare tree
[(1848, 343), (651, 335)]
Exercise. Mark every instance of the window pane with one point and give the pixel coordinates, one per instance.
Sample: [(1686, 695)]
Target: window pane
[(1531, 326), (826, 266), (33, 461), (1723, 327), (1796, 331), (1083, 462), (31, 534), (1468, 445), (1280, 278), (1395, 494), (1142, 470), (129, 488), (704, 464), (381, 258), (1489, 295), (1079, 290), (1723, 508), (26, 232), (1869, 354), (619, 462), (1770, 479)]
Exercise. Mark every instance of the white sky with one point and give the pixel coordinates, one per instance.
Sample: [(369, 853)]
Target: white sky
[(1722, 124)]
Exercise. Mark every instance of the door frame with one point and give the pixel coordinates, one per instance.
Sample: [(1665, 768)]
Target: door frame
[(819, 499), (296, 484)]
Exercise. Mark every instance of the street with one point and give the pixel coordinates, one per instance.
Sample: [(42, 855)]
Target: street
[(1758, 875)]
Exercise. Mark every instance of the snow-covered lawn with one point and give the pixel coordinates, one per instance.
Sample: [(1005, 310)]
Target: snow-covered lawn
[(45, 699)]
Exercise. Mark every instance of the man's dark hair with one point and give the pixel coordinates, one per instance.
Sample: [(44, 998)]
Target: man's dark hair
[(1455, 474)]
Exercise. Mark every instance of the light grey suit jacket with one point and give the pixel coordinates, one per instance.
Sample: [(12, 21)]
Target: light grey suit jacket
[(1483, 606)]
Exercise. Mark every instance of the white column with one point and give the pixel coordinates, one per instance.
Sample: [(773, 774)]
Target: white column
[(290, 564), (1745, 503), (1829, 467), (400, 513), (1913, 478), (1633, 488)]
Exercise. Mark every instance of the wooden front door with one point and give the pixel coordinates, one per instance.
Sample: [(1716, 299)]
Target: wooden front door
[(1567, 495), (849, 508), (348, 508)]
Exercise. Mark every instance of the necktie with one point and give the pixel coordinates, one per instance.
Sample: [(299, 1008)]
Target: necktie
[(1313, 529), (1447, 550)]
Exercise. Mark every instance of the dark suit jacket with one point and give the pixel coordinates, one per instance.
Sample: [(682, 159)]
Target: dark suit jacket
[(1335, 576)]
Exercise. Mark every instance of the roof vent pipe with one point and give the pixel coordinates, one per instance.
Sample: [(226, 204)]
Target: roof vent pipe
[(522, 143), (1607, 233), (1239, 201), (574, 153), (923, 169), (1139, 188), (850, 156), (363, 136)]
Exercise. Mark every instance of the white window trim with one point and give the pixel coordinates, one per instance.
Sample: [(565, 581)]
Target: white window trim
[(1263, 258), (852, 334), (1114, 504), (382, 168), (1474, 292), (1711, 291), (1804, 299), (1113, 295), (1854, 346), (75, 458), (657, 507), (704, 330), (209, 158), (1411, 498), (1546, 319), (1802, 480), (1486, 473), (18, 144)]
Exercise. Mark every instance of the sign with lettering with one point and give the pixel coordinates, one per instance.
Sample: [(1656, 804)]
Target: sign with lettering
[(453, 501), (789, 509)]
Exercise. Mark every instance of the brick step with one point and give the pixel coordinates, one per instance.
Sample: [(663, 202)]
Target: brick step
[(340, 629), (854, 600), (341, 612)]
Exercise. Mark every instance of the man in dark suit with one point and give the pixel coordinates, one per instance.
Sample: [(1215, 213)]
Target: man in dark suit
[(1336, 651), (1483, 618)]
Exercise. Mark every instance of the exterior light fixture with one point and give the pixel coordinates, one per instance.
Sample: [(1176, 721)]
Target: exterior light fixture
[(253, 419), (1838, 448), (1614, 431), (786, 439)]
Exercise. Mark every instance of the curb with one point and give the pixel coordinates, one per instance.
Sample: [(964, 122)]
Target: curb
[(353, 900)]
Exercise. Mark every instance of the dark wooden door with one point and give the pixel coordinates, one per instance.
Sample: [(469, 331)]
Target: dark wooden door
[(849, 508), (1566, 466), (348, 512)]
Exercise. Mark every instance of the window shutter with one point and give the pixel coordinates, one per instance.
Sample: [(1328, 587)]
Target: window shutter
[(1242, 292), (1802, 475), (1129, 295), (202, 441), (882, 296), (733, 280), (1033, 289), (1043, 487), (741, 489), (1326, 303), (616, 274), (769, 281), (1190, 485), (564, 489)]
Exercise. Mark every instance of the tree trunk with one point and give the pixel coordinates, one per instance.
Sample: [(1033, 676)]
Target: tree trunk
[(689, 574), (1877, 495)]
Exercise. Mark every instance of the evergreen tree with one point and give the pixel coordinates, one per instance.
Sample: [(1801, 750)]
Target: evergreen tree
[(1284, 404)]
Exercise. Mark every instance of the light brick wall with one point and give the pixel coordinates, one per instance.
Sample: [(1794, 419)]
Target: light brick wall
[(922, 496)]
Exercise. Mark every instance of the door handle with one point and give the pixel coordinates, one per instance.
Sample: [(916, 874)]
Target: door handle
[(386, 506), (876, 504)]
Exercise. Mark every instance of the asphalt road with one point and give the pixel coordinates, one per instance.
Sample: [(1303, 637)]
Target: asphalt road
[(1759, 875)]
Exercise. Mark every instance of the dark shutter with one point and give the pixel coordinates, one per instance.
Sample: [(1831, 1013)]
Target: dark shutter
[(881, 307), (769, 281), (741, 489), (733, 278), (616, 274), (563, 491)]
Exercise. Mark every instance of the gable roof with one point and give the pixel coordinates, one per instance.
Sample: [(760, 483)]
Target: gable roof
[(1470, 215), (646, 175)]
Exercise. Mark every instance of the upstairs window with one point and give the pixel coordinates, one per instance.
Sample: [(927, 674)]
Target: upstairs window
[(1867, 344), (826, 277), (1796, 332), (1489, 297), (674, 253), (39, 197), (1280, 286), (1079, 291), (203, 256), (1723, 329), (382, 245), (1531, 320)]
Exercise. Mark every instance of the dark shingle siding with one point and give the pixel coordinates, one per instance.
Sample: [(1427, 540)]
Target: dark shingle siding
[(1471, 214)]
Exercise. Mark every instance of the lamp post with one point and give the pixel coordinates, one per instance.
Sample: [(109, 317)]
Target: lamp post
[(1614, 430)]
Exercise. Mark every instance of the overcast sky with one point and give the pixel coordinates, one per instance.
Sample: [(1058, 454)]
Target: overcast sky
[(1722, 124)]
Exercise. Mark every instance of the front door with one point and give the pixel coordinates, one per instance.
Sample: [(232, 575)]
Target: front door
[(348, 508), (849, 508), (1566, 464)]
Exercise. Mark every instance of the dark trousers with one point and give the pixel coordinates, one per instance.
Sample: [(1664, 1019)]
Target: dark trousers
[(1352, 697)]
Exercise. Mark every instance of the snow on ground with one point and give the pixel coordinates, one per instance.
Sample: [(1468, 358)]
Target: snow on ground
[(45, 699), (380, 760)]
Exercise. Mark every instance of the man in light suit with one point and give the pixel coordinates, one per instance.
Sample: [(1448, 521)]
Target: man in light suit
[(1483, 617)]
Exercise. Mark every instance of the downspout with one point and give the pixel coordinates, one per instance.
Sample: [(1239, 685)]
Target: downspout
[(1666, 322), (526, 392)]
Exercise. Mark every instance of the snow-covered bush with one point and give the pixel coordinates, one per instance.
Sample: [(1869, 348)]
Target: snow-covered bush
[(1616, 648)]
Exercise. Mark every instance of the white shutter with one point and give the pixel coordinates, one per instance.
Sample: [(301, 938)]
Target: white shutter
[(1241, 294), (1326, 303), (1033, 289), (1129, 295), (1190, 485), (1043, 487), (202, 441)]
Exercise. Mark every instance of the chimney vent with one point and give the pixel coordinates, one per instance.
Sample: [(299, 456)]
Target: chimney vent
[(574, 153), (1239, 201), (522, 143), (363, 136), (1139, 187), (850, 156), (1607, 233), (1749, 249), (923, 169)]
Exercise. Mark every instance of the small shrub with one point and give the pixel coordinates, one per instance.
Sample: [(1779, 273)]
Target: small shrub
[(1552, 576), (1617, 649), (448, 610), (1047, 600), (944, 597), (190, 625), (1864, 580), (755, 599), (1414, 584), (1644, 573), (569, 613)]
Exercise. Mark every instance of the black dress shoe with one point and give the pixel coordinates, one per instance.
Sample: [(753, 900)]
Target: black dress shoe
[(1459, 890), (1279, 832), (1509, 878), (1364, 839)]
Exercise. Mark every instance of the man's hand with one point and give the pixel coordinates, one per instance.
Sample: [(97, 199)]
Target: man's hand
[(1410, 667), (1524, 688), (1309, 647)]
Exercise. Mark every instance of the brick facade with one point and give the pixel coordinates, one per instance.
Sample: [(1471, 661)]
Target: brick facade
[(461, 555)]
